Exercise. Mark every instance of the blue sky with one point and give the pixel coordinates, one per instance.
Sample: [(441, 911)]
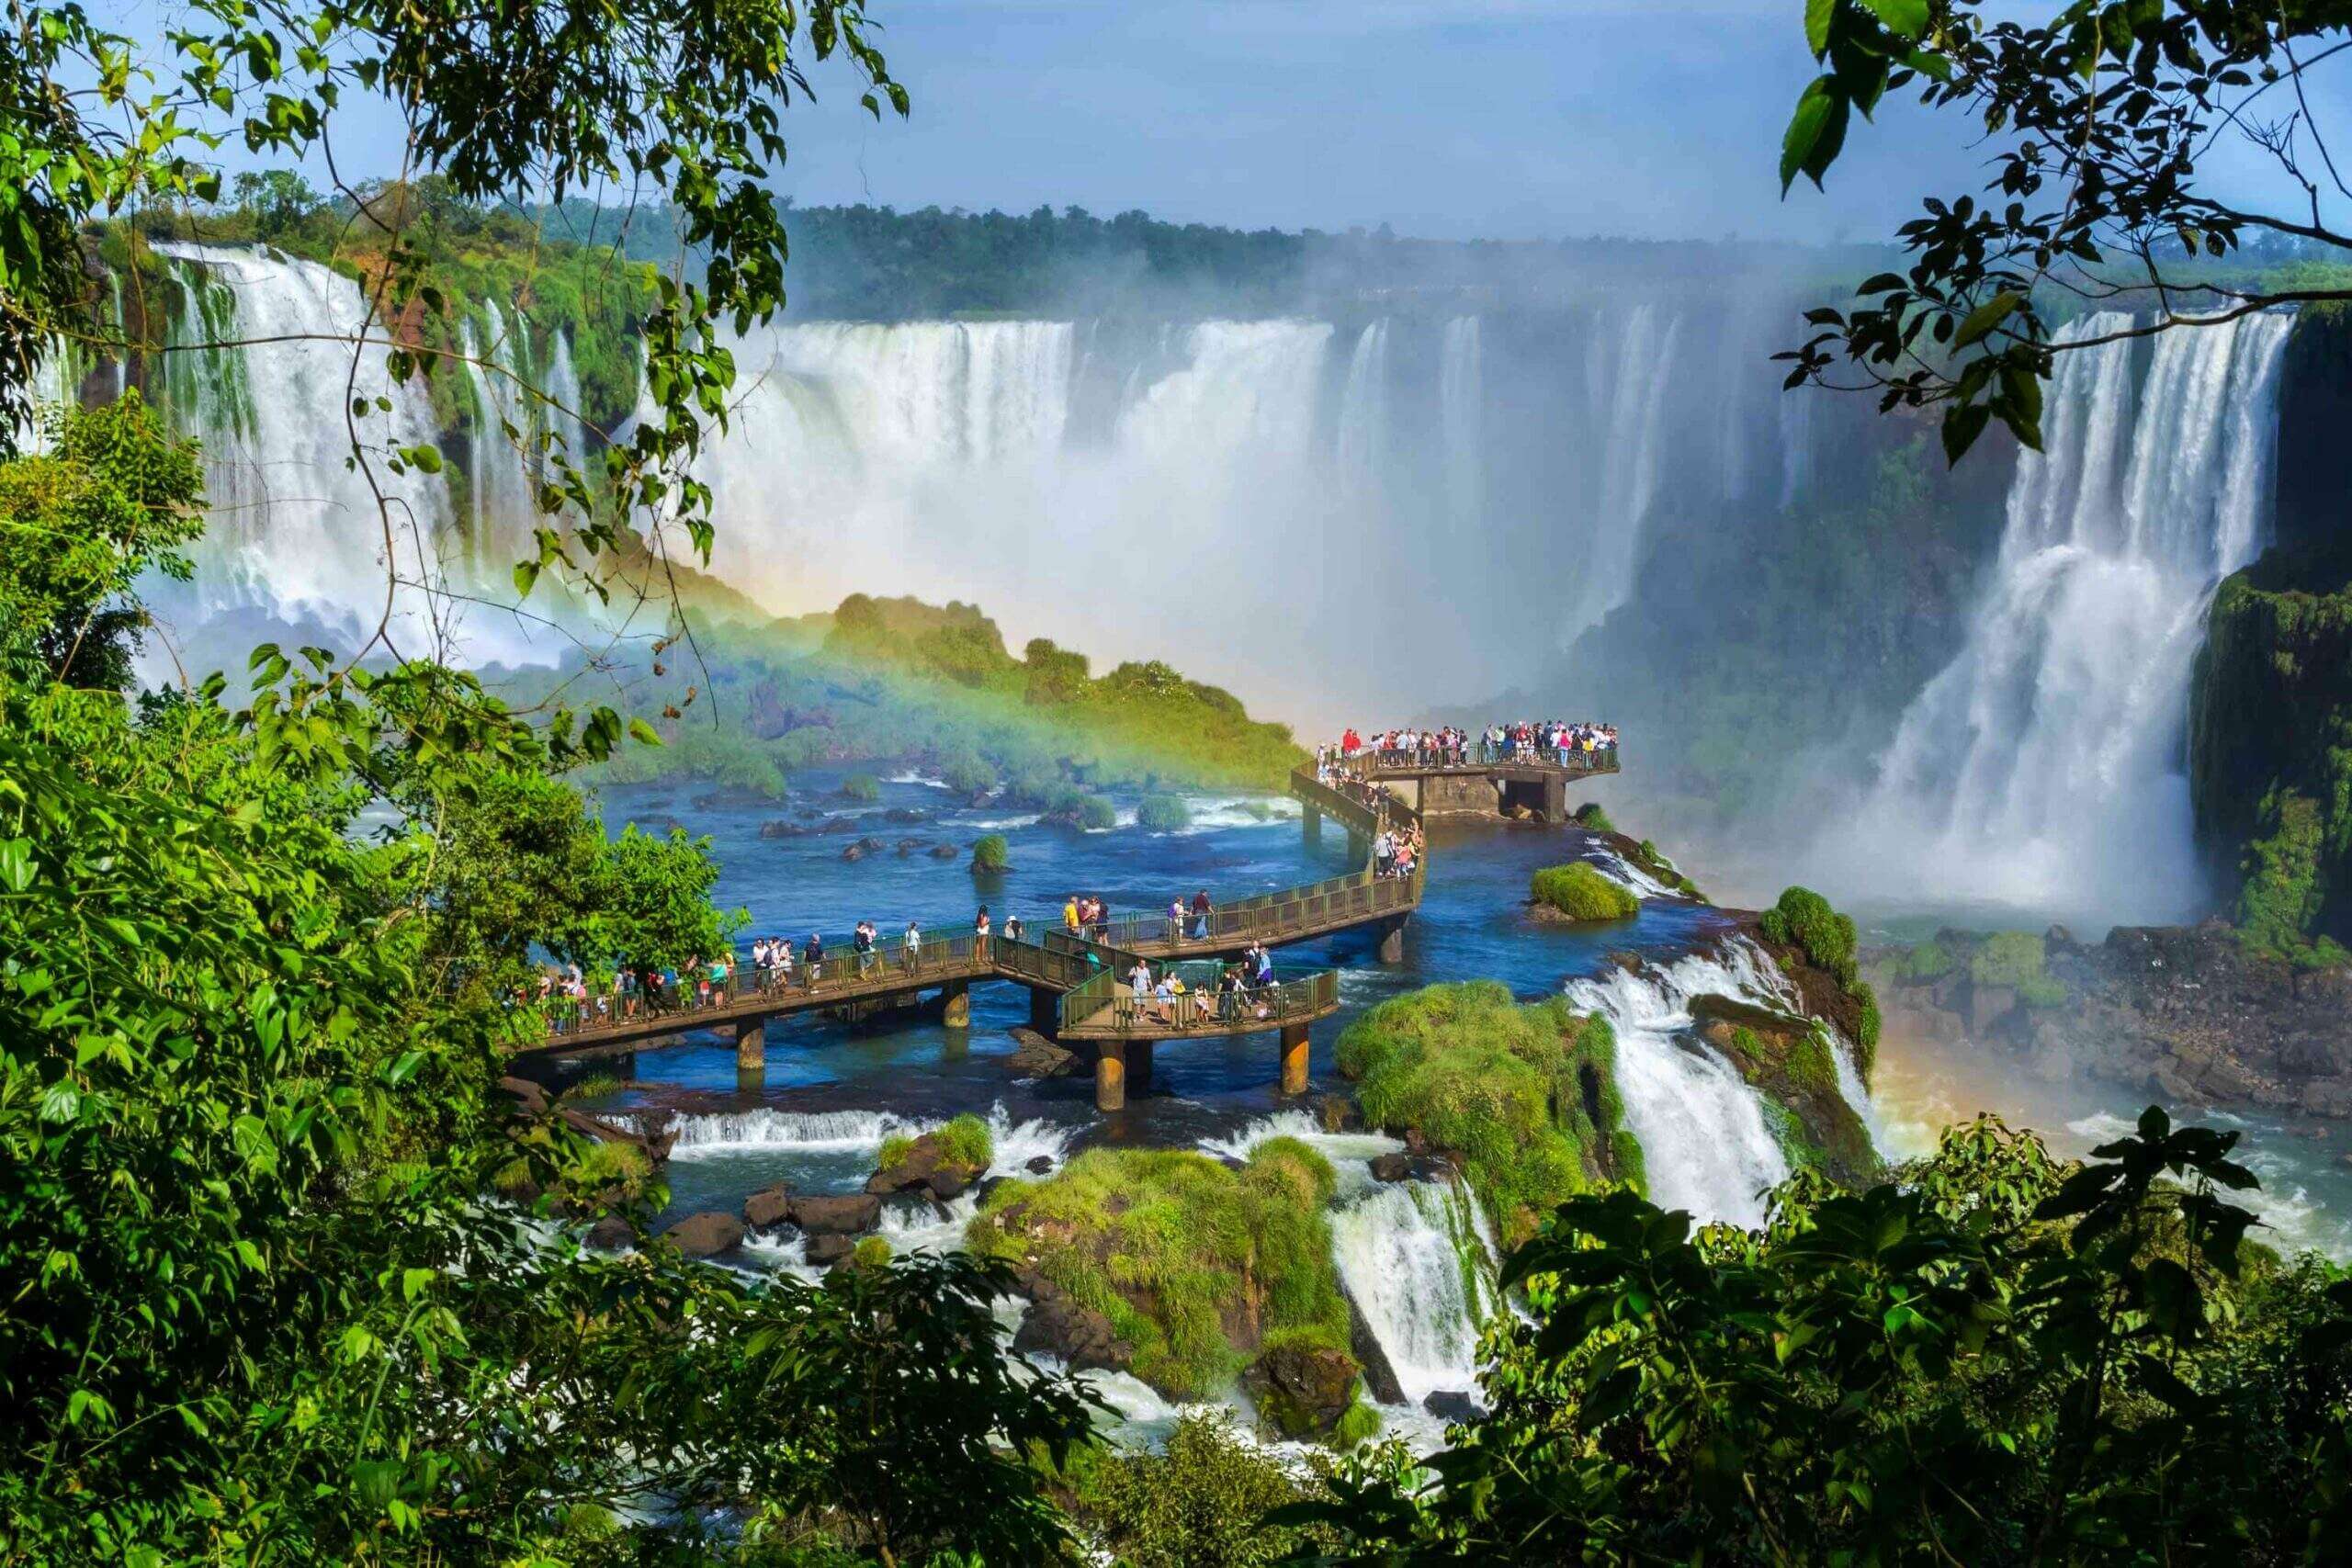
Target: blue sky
[(1496, 118)]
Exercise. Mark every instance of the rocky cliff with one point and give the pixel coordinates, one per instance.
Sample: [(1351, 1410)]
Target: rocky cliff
[(2183, 1014)]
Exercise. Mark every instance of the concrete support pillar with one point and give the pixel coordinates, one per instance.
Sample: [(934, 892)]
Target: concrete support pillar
[(1392, 942), (1111, 1077), (1294, 1058), (1313, 821), (751, 1045), (958, 1013), (1044, 1011), (1139, 1054), (1555, 800)]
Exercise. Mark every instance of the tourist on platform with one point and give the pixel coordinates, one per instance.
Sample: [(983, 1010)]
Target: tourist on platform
[(980, 935), (1070, 917), (1201, 911), (783, 963), (1176, 919), (861, 947), (1139, 979), (815, 954), (911, 944), (1014, 929)]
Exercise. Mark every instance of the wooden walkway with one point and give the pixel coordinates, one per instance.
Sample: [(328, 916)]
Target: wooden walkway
[(1080, 983)]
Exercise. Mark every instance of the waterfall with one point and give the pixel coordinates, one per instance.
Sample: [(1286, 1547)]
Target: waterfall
[(1418, 1259), (293, 529), (2044, 767), (1364, 412), (1704, 1138), (1628, 363), (1461, 389)]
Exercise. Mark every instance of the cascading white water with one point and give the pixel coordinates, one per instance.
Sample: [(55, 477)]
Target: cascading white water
[(1460, 391), (1418, 1261), (1627, 364), (1705, 1141), (2044, 767)]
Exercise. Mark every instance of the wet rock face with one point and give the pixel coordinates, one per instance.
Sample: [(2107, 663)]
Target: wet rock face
[(1452, 1405), (923, 1170), (848, 1215), (611, 1233), (824, 1251), (1408, 1167), (707, 1234), (2179, 1013), (1035, 1056), (768, 1208), (1057, 1325), (1301, 1392)]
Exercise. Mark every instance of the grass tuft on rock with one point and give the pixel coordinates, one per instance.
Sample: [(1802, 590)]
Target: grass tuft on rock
[(1580, 893), (1196, 1266), (991, 854), (862, 787), (1592, 819), (1525, 1093), (965, 1144), (1163, 814)]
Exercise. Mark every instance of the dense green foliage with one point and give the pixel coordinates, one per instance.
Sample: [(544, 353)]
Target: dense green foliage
[(113, 495), (2270, 749), (1593, 819), (1992, 1358), (1525, 1094), (862, 787), (1580, 893), (1198, 1503), (1163, 814), (990, 852), (263, 1307), (1169, 1244)]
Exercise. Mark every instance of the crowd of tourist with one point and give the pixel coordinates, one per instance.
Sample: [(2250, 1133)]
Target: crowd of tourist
[(1553, 741)]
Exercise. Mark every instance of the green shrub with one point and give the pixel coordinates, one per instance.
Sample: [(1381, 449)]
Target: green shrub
[(1581, 892), (1096, 813), (1163, 814), (965, 1144), (894, 1151), (1198, 1503), (1526, 1094), (1166, 1243), (863, 787), (2007, 958), (1592, 819), (989, 854), (871, 1252), (1926, 962), (967, 776), (1804, 919), (2044, 991)]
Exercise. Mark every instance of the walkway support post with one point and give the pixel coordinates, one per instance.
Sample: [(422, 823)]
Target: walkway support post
[(1111, 1076), (1313, 821), (1294, 1058), (1045, 1011), (957, 995), (1555, 800), (1392, 942), (1139, 1055), (751, 1045)]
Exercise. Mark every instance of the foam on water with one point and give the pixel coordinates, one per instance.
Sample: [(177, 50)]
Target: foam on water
[(1419, 1260)]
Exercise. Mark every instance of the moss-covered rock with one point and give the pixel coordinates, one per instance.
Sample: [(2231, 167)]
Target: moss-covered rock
[(991, 854), (1524, 1095), (1790, 1062), (2270, 750), (1163, 814), (1577, 893), (1197, 1271), (1814, 947)]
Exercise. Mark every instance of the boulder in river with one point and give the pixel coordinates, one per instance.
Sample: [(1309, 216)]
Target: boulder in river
[(926, 1164), (706, 1235), (768, 1208), (842, 825), (777, 828), (1453, 1405), (1301, 1391), (848, 1214), (611, 1233), (1405, 1166), (943, 852), (1057, 1324), (1035, 1056), (1040, 1165), (905, 814), (909, 846), (824, 1251)]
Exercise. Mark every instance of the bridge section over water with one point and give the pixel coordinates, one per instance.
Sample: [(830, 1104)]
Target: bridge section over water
[(1078, 982)]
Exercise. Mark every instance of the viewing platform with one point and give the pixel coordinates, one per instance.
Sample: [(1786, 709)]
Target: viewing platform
[(1078, 982), (1535, 783)]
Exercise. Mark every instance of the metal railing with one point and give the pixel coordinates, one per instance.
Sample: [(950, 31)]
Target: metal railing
[(1472, 757), (1108, 1002)]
